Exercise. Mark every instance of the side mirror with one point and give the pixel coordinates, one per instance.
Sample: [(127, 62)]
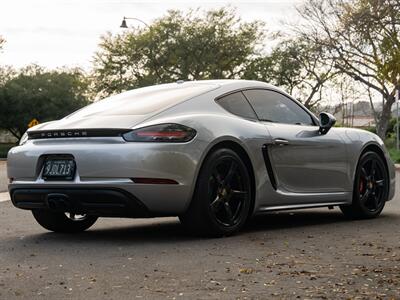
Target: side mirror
[(326, 121)]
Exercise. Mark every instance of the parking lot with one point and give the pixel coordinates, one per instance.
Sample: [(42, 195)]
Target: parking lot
[(300, 254)]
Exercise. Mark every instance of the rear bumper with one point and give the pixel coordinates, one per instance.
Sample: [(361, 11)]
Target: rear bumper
[(157, 199), (111, 164), (98, 202)]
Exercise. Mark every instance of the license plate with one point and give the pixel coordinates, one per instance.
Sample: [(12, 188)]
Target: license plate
[(59, 169)]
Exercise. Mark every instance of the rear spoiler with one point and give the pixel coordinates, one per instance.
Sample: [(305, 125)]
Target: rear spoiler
[(76, 133)]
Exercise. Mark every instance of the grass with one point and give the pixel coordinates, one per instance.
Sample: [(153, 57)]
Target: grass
[(390, 144), (4, 149), (394, 154)]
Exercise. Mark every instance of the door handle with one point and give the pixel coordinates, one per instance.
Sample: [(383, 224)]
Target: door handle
[(280, 142)]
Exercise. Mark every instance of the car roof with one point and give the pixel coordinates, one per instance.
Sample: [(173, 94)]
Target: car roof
[(148, 100), (133, 107), (232, 83)]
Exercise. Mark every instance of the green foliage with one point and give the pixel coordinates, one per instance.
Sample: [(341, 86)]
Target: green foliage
[(4, 148), (296, 65), (390, 132), (390, 144), (44, 95), (377, 23), (6, 74), (362, 38), (391, 127), (177, 46), (281, 68), (394, 155), (370, 129)]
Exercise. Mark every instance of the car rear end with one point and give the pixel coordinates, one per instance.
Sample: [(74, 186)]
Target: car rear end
[(96, 162), (107, 176)]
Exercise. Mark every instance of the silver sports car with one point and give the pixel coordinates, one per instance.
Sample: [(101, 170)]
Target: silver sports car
[(214, 153)]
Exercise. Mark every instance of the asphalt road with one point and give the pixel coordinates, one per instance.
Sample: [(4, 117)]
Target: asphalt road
[(313, 254)]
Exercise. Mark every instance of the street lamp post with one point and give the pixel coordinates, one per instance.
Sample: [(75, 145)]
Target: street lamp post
[(124, 25), (397, 116)]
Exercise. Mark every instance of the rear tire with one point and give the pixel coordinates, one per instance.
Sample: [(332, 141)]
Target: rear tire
[(222, 198), (59, 222), (371, 188)]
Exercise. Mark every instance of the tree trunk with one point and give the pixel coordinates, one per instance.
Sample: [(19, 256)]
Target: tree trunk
[(15, 133), (383, 122)]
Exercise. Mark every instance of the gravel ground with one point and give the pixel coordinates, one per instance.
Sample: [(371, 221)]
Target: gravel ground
[(308, 254), (3, 176)]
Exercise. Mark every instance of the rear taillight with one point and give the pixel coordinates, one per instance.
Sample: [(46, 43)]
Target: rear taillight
[(170, 133)]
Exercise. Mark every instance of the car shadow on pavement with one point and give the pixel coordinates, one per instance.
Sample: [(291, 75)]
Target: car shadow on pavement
[(171, 231), (162, 231), (294, 219), (289, 220)]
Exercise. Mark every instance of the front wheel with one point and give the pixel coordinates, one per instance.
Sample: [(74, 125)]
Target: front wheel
[(222, 198), (371, 187), (63, 222)]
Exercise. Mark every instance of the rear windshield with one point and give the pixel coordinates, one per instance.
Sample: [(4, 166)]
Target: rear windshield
[(144, 101)]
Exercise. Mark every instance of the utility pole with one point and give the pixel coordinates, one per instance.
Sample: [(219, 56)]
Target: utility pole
[(397, 117)]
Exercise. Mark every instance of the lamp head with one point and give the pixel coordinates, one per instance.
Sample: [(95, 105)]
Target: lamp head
[(123, 24)]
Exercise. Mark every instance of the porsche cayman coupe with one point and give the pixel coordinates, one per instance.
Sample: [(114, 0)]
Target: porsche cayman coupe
[(213, 153)]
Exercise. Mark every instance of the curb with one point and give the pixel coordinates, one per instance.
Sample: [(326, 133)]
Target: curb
[(397, 166), (4, 197)]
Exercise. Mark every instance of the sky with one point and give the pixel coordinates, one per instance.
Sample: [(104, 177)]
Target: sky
[(57, 33)]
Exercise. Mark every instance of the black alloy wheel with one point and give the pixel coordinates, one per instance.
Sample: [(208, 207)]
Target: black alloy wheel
[(228, 192), (223, 195), (371, 188)]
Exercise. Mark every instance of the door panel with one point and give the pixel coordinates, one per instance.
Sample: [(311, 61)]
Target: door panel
[(304, 161)]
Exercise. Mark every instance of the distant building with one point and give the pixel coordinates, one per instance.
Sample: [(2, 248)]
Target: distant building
[(355, 114), (359, 121)]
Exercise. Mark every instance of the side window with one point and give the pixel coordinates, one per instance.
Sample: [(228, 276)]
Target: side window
[(237, 104), (274, 107)]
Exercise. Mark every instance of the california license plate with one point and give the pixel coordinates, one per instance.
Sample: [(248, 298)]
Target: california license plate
[(59, 169)]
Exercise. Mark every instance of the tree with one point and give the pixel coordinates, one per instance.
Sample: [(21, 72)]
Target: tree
[(2, 41), (362, 39), (6, 72), (213, 46), (296, 65), (44, 95)]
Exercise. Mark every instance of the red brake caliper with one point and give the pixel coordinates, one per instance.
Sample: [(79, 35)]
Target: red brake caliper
[(361, 187)]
